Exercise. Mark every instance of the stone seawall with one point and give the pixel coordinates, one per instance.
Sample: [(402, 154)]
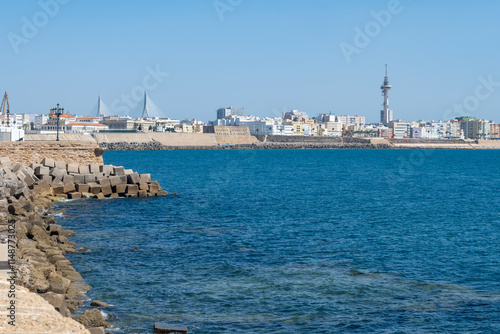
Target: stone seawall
[(68, 151)]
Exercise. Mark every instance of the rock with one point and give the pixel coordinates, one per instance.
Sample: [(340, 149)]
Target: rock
[(67, 233), (38, 233), (98, 303), (72, 275), (93, 318), (26, 243), (56, 258), (96, 330), (57, 300), (57, 283)]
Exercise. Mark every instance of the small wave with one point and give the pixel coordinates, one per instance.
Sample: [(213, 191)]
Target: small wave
[(104, 314)]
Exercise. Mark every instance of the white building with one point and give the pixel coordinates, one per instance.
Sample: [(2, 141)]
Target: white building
[(351, 120)]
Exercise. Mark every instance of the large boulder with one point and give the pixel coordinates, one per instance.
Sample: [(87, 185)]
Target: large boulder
[(57, 300), (93, 318), (57, 283)]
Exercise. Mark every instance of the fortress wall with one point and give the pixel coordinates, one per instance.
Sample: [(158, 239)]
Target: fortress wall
[(122, 137), (185, 139), (62, 136), (81, 153)]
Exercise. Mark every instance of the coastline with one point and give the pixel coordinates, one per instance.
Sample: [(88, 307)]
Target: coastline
[(34, 257), (132, 146)]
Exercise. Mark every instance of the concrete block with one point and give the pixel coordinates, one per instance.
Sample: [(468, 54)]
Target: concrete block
[(104, 182), (114, 180), (42, 189), (74, 195), (100, 176), (83, 170), (48, 162), (94, 169), (68, 178), (143, 193), (132, 189), (106, 190), (114, 195), (5, 161), (145, 177), (119, 170), (128, 171), (58, 187), (71, 168), (69, 187), (100, 196), (60, 164), (89, 178), (154, 189), (94, 188), (42, 170), (143, 186), (58, 173), (17, 167), (46, 177), (30, 179), (87, 195), (133, 178), (119, 188), (83, 188), (79, 178), (107, 169)]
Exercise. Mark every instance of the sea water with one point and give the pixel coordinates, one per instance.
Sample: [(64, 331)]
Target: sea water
[(298, 241)]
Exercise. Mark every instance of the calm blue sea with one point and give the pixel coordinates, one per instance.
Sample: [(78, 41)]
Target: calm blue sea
[(299, 241)]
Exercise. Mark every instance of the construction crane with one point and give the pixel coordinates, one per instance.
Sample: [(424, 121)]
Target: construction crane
[(5, 108)]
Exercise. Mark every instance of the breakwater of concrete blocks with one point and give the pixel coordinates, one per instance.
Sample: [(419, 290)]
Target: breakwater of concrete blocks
[(60, 180), (37, 245)]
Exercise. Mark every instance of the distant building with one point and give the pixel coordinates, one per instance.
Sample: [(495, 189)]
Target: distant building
[(40, 120), (295, 116), (385, 132), (494, 130), (228, 112), (334, 129), (474, 128), (351, 120), (116, 123), (400, 129)]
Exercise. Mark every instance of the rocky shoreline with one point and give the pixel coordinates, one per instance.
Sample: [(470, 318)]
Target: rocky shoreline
[(124, 146), (27, 222)]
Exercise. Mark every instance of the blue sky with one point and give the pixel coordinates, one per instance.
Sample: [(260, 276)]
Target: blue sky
[(265, 56)]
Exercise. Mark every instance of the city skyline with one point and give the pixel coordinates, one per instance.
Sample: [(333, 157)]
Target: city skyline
[(268, 58)]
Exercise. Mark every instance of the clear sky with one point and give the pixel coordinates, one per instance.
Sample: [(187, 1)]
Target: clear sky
[(265, 56)]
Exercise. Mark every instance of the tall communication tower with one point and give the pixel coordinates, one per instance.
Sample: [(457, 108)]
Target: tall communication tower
[(386, 114)]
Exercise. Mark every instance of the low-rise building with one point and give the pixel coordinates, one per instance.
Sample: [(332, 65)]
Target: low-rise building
[(385, 132), (494, 130), (400, 129)]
